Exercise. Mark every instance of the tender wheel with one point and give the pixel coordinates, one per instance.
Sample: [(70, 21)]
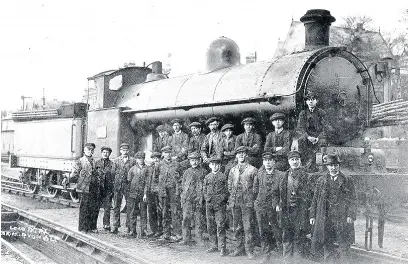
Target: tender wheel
[(52, 192), (74, 196)]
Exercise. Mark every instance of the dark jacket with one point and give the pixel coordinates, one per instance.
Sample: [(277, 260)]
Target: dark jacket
[(179, 144), (228, 147), (152, 181), (191, 185), (84, 174), (252, 140), (137, 179), (169, 177), (283, 139), (121, 172), (346, 207), (215, 189), (312, 124), (247, 182), (106, 173), (195, 143), (264, 185), (301, 198), (210, 148), (159, 143)]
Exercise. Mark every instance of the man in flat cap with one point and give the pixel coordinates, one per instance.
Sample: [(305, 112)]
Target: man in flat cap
[(312, 128), (88, 186), (162, 140), (192, 199), (333, 212), (178, 141), (264, 183), (228, 147), (106, 172), (251, 140), (196, 139), (241, 201), (136, 178), (212, 145), (279, 142), (292, 198), (215, 192), (122, 164), (169, 193), (151, 196)]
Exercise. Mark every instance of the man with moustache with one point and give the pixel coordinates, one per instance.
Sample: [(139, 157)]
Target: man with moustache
[(178, 141), (212, 145)]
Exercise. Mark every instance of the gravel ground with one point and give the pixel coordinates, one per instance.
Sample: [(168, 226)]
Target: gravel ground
[(9, 257), (395, 241)]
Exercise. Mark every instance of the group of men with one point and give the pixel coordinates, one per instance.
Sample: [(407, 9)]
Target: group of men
[(217, 181)]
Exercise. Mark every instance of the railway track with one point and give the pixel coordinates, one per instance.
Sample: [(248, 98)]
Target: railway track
[(58, 243), (13, 186)]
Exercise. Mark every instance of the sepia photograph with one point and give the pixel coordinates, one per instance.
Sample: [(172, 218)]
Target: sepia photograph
[(195, 132)]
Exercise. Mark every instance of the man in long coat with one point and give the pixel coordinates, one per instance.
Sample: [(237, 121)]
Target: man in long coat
[(241, 202), (191, 199), (292, 199), (105, 169), (279, 142), (122, 164), (88, 185), (264, 184), (137, 179), (333, 212), (251, 140)]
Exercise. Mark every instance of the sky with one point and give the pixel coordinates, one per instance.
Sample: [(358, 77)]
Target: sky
[(53, 46)]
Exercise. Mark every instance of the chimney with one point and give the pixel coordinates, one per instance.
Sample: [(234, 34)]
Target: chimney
[(317, 28)]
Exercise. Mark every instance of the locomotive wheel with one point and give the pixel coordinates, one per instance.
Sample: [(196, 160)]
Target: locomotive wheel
[(74, 196), (52, 192), (33, 188)]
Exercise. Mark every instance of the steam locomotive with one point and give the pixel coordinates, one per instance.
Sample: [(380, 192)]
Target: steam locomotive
[(130, 102)]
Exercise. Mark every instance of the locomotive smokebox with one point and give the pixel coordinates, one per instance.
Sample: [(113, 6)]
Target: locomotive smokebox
[(317, 28), (223, 52)]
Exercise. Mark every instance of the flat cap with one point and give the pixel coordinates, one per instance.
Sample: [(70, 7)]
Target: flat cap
[(227, 126), (140, 155), (277, 116), (176, 120), (195, 124), (194, 155), (155, 155), (310, 95), (248, 120), (293, 154), (106, 148), (212, 119), (160, 128), (241, 149), (124, 145), (166, 149), (92, 145), (214, 160), (330, 159), (268, 155)]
